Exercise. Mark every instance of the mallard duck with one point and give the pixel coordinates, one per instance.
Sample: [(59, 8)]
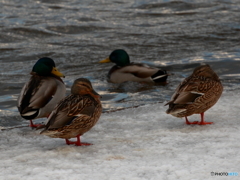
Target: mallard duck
[(75, 114), (196, 94), (42, 92), (125, 71)]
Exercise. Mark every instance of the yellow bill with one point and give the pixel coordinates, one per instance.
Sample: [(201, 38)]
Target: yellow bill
[(105, 60), (56, 72)]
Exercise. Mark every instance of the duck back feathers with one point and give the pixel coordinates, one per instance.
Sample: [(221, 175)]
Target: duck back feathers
[(196, 94), (76, 113)]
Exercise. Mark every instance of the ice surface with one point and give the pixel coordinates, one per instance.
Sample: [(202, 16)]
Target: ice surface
[(137, 143)]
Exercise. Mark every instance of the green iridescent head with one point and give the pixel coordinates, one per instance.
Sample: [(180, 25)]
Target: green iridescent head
[(45, 67), (118, 56)]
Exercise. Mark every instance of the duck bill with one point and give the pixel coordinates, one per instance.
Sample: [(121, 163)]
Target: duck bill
[(105, 60), (56, 72), (95, 94)]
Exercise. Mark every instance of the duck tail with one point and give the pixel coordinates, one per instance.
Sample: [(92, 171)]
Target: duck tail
[(160, 76)]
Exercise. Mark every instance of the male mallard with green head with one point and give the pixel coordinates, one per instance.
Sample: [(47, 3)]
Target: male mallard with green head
[(125, 71), (196, 94), (75, 114), (42, 92)]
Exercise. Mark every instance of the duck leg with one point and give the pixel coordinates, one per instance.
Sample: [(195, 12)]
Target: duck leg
[(188, 123), (77, 143), (202, 120), (32, 125)]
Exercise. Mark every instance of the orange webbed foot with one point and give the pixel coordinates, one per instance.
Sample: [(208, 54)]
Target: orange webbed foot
[(202, 120), (204, 123), (32, 125), (189, 123), (77, 143)]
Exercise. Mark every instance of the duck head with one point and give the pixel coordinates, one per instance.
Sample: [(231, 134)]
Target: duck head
[(45, 67), (119, 57), (83, 86), (205, 71)]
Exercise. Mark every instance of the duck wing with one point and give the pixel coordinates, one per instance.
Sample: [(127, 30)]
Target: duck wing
[(35, 95), (131, 72), (139, 70), (70, 108), (189, 90)]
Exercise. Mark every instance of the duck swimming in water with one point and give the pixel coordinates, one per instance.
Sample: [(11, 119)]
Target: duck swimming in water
[(124, 70), (42, 92), (196, 94)]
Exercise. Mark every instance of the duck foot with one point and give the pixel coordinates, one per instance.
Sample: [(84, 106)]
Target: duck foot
[(202, 120), (77, 143), (204, 123), (34, 125), (188, 123)]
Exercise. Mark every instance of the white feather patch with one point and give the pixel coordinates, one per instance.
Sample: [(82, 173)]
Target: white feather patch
[(194, 92), (79, 115), (176, 112), (159, 77), (30, 113)]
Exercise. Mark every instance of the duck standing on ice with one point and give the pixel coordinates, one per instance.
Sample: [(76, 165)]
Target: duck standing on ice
[(75, 114), (42, 92), (196, 94)]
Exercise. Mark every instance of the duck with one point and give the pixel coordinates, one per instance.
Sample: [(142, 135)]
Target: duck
[(75, 114), (124, 70), (42, 92), (196, 94)]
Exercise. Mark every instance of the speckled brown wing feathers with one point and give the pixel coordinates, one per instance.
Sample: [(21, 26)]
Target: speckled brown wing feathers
[(195, 94), (70, 108)]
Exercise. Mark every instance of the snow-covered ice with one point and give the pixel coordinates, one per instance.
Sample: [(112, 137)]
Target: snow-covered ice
[(132, 144)]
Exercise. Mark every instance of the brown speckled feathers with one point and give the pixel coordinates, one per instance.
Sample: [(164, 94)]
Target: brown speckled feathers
[(196, 94), (75, 114)]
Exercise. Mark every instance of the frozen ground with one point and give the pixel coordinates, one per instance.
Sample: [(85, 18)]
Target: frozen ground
[(133, 144)]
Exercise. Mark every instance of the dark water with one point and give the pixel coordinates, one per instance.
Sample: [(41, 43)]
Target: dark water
[(174, 35)]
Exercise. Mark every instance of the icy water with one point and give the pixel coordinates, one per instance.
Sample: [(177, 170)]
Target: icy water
[(173, 35)]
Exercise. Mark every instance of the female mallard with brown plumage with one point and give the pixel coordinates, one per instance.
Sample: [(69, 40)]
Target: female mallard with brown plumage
[(75, 114), (196, 94), (125, 71), (42, 92)]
